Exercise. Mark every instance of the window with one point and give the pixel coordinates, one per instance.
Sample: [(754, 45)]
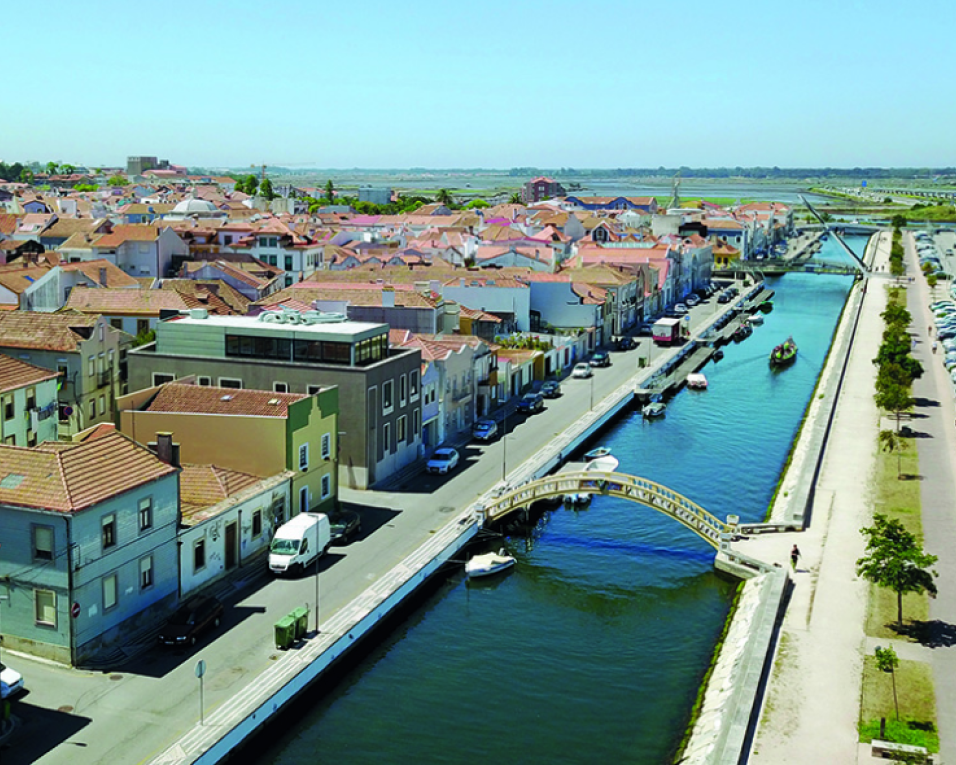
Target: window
[(109, 592), (280, 387), (92, 408), (304, 457), (388, 402), (413, 386), (402, 390), (8, 407), (160, 378), (288, 262), (31, 398), (42, 543), (416, 422), (387, 438), (199, 555), (142, 326), (109, 531), (146, 514), (92, 365), (45, 607), (229, 382), (326, 486), (205, 381), (116, 323), (256, 524), (326, 445), (278, 510), (400, 433), (146, 572), (304, 499), (102, 405), (313, 389)]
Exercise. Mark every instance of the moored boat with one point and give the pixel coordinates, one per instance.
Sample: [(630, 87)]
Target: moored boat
[(743, 332), (696, 381), (783, 354), (766, 306), (756, 320), (718, 355), (654, 409), (488, 564), (594, 454)]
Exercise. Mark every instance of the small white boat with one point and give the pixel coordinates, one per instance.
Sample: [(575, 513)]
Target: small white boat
[(654, 409), (756, 320), (696, 381), (488, 564), (594, 454), (578, 498)]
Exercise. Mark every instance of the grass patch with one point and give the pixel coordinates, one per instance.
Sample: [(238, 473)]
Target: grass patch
[(914, 684)]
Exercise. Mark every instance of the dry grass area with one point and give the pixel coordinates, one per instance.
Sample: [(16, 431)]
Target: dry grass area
[(914, 685)]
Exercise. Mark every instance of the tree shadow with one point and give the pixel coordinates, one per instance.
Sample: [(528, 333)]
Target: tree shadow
[(920, 402), (911, 477), (932, 634)]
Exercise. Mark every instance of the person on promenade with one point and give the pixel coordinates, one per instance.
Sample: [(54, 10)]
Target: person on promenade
[(794, 556), (934, 346)]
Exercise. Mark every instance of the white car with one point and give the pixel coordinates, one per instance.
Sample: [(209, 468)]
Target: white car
[(691, 300), (680, 309), (11, 681), (442, 461), (582, 370)]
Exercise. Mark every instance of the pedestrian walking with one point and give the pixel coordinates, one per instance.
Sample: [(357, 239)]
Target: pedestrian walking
[(794, 556), (934, 346)]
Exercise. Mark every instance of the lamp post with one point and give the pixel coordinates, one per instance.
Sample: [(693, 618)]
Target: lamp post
[(504, 446), (317, 594), (592, 390)]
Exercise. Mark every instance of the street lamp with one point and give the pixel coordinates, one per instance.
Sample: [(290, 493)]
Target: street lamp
[(592, 390), (504, 445)]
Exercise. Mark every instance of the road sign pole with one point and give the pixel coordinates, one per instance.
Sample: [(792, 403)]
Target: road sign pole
[(200, 671)]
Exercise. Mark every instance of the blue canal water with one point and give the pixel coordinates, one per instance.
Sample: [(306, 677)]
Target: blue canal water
[(593, 648)]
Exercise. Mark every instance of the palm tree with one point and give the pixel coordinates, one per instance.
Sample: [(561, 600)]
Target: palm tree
[(515, 198), (444, 197)]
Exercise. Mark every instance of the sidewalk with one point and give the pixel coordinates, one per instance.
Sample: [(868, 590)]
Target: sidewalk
[(811, 707)]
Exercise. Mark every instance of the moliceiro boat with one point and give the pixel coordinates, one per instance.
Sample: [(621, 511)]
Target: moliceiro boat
[(784, 354)]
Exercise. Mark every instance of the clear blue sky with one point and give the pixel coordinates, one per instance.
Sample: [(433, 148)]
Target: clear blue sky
[(482, 84)]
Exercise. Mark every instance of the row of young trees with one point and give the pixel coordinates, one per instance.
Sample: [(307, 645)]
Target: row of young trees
[(894, 558)]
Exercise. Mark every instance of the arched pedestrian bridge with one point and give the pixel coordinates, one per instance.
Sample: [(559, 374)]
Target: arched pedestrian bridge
[(640, 490)]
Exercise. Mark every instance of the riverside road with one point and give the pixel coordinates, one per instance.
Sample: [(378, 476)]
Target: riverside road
[(134, 712)]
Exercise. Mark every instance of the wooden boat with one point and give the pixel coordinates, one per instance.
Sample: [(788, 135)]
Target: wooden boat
[(783, 354), (488, 564), (595, 454)]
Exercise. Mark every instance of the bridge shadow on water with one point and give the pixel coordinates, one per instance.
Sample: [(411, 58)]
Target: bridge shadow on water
[(634, 549)]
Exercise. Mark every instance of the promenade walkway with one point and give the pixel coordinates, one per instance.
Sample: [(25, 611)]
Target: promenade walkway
[(811, 708)]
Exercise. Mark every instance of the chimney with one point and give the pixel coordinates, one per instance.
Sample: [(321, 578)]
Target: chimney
[(102, 276), (388, 297), (166, 450)]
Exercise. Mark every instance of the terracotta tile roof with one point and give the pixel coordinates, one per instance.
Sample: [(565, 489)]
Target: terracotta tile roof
[(67, 227), (199, 399), (46, 331), (476, 315), (215, 296), (123, 300), (202, 486), (91, 269), (8, 223), (18, 374), (72, 477), (133, 232), (16, 278)]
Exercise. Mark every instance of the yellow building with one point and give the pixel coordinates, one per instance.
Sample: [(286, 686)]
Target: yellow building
[(252, 431)]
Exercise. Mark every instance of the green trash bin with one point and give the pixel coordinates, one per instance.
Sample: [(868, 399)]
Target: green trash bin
[(285, 632), (301, 616)]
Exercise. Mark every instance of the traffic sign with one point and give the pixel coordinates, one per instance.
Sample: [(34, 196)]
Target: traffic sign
[(75, 610), (201, 668)]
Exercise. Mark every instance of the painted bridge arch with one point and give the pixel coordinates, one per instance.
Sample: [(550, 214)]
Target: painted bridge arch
[(651, 494)]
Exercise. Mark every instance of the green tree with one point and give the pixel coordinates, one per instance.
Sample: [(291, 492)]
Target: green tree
[(26, 176), (330, 191), (51, 168), (444, 197), (891, 442), (896, 314), (887, 661), (898, 221), (477, 204), (265, 189), (932, 280), (67, 169), (515, 198), (895, 560), (117, 180), (85, 187), (893, 396)]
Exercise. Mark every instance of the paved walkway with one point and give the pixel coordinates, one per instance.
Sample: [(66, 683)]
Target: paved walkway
[(811, 707)]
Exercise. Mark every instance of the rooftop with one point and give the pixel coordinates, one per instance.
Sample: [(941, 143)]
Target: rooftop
[(199, 399)]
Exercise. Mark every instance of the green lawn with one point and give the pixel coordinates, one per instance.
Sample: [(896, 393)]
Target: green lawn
[(914, 685)]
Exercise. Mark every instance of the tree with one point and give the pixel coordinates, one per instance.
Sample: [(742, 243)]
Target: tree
[(896, 314), (85, 187), (249, 184), (887, 661), (896, 268), (898, 221), (891, 442), (67, 169), (444, 197), (932, 280), (330, 191), (893, 396), (26, 176), (265, 189), (51, 168), (117, 180), (515, 198), (895, 560), (477, 204)]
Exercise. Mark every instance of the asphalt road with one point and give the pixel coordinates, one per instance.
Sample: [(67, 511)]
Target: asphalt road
[(72, 716)]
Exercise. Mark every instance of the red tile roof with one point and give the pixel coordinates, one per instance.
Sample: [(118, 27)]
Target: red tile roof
[(46, 331), (199, 399), (18, 374)]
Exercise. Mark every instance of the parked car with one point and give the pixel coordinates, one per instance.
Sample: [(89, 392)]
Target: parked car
[(723, 297), (531, 403), (11, 681), (193, 617), (344, 525), (581, 370), (551, 389), (691, 300), (601, 359), (484, 430), (626, 343), (645, 329), (442, 461), (680, 309)]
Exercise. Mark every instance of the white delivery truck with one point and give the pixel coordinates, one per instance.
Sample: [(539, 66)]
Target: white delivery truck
[(299, 542)]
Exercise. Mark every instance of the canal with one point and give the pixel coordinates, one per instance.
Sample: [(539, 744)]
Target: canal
[(593, 648)]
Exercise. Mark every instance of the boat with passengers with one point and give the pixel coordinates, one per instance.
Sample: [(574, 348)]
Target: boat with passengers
[(783, 354)]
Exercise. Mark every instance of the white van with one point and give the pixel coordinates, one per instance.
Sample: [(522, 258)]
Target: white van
[(299, 542)]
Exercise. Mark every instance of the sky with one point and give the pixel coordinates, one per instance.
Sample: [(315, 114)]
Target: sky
[(493, 84)]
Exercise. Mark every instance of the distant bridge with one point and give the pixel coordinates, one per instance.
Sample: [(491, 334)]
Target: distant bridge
[(640, 490), (775, 266)]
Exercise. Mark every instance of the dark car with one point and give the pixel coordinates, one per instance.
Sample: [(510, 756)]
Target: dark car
[(193, 617), (531, 403), (626, 343), (344, 525), (551, 389), (601, 359), (723, 298)]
